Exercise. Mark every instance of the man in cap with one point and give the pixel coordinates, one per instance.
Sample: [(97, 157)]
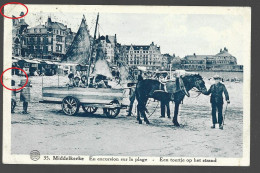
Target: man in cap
[(216, 90)]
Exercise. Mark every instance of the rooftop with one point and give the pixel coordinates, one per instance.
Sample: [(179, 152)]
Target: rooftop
[(140, 47), (197, 57)]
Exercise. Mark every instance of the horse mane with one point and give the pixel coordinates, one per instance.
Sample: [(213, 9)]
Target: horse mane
[(193, 74)]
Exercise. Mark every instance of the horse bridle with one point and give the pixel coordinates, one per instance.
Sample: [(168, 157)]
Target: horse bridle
[(184, 91), (198, 90)]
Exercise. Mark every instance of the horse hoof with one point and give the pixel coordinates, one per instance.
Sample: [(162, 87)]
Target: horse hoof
[(176, 124), (147, 122)]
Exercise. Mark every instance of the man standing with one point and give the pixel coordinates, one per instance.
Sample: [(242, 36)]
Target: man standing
[(25, 94), (165, 103), (216, 90), (131, 97), (165, 100), (140, 76)]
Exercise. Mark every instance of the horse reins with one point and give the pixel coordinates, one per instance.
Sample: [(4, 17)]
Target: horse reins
[(154, 110), (199, 93)]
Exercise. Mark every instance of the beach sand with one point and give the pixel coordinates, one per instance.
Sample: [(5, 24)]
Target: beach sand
[(47, 129)]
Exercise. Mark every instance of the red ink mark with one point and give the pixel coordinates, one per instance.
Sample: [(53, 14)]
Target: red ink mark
[(1, 79), (13, 17)]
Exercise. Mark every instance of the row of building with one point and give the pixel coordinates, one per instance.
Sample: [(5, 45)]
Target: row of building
[(49, 41), (53, 40)]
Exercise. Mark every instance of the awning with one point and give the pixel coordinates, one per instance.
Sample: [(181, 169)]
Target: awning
[(142, 68), (32, 61), (49, 62)]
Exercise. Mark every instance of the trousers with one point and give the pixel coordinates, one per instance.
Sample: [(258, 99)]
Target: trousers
[(217, 107), (163, 105)]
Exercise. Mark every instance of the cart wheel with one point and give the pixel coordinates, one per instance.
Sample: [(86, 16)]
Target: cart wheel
[(112, 112), (89, 109), (70, 105)]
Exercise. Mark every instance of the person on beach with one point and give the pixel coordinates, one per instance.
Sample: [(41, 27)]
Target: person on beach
[(165, 103), (216, 90), (131, 97), (76, 81), (83, 82), (13, 101), (71, 80), (25, 94), (140, 76)]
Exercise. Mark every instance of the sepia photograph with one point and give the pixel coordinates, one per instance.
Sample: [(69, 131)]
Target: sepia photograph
[(126, 85)]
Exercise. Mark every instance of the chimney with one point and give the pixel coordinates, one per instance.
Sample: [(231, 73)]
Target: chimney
[(49, 20), (106, 38), (194, 54), (22, 13)]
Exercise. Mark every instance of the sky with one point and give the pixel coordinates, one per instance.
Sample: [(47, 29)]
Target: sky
[(181, 34)]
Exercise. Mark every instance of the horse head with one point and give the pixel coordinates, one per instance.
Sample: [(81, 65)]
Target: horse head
[(194, 81)]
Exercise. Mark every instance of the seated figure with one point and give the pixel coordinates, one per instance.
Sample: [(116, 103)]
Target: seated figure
[(83, 82), (71, 80), (76, 82)]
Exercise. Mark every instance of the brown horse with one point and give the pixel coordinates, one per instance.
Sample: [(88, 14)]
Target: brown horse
[(147, 89)]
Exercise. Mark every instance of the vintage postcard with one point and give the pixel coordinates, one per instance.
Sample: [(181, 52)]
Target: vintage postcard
[(126, 85)]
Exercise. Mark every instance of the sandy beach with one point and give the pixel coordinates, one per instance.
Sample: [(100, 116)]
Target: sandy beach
[(47, 129)]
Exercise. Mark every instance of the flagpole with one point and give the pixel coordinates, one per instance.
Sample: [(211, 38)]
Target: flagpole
[(92, 49)]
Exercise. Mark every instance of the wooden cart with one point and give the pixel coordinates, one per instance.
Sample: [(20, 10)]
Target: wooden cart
[(90, 99)]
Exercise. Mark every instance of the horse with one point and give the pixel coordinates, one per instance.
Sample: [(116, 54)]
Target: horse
[(147, 89)]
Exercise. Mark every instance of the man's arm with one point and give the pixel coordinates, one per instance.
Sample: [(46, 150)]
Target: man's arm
[(209, 91), (226, 93)]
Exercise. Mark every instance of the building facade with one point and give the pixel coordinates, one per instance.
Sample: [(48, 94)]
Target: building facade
[(46, 41), (194, 62), (108, 46), (18, 39), (49, 41), (222, 61), (148, 56)]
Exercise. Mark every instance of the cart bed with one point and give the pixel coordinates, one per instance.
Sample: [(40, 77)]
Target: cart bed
[(84, 95)]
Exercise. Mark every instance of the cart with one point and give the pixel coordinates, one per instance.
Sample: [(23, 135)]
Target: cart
[(90, 99)]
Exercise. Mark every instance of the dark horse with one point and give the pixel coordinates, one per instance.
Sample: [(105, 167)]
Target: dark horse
[(146, 89)]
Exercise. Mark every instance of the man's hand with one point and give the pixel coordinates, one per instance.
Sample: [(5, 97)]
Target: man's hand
[(228, 101)]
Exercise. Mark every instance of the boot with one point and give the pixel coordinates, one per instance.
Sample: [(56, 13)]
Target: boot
[(213, 126), (221, 127)]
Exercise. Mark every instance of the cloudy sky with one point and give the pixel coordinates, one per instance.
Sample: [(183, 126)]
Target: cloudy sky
[(182, 34)]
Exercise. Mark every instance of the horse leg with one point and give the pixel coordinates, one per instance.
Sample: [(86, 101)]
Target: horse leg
[(176, 110), (144, 114), (138, 114)]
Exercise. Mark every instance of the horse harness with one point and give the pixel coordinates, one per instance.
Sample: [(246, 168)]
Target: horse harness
[(181, 87)]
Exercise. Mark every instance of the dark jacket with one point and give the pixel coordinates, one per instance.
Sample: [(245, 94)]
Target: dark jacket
[(216, 91), (140, 78)]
